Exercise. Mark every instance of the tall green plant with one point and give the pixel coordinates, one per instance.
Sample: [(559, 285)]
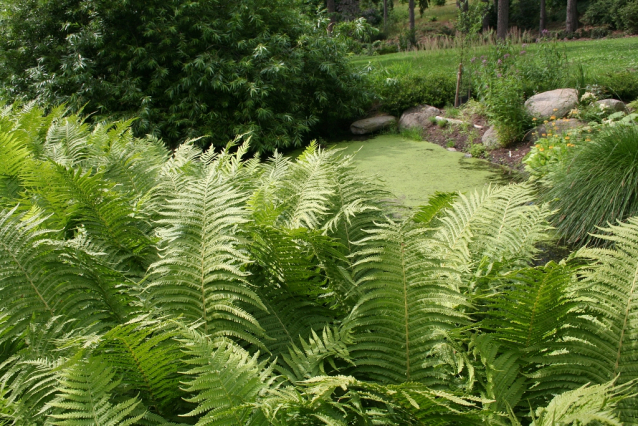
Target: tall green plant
[(288, 292)]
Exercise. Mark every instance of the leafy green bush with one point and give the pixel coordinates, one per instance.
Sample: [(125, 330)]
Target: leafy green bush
[(403, 92), (597, 184), (477, 150), (145, 287), (621, 84), (183, 69)]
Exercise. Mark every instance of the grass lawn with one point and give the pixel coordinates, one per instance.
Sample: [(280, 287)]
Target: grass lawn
[(595, 56)]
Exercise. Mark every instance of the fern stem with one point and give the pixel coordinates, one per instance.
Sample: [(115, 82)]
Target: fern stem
[(26, 274), (624, 326), (405, 304)]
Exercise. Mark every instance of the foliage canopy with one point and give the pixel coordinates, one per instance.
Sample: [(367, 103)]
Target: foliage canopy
[(184, 69)]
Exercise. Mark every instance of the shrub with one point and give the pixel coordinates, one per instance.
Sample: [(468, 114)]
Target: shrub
[(629, 16), (183, 69), (596, 185), (621, 84), (403, 92), (477, 150)]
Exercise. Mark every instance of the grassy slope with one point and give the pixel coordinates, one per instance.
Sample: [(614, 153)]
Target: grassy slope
[(596, 56)]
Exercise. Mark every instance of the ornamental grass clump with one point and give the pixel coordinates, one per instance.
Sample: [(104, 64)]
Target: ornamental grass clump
[(597, 185)]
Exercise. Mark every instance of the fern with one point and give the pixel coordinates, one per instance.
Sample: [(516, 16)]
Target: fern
[(200, 274), (225, 380), (144, 352), (404, 304), (610, 295), (84, 398), (309, 360), (35, 282), (583, 406)]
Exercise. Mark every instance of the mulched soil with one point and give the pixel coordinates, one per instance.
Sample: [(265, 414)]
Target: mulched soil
[(509, 157)]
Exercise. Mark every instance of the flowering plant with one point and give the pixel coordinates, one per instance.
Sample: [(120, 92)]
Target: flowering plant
[(552, 150)]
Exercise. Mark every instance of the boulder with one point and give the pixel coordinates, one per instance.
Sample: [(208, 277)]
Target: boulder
[(418, 116), (555, 127), (613, 104), (372, 124), (490, 139), (555, 102)]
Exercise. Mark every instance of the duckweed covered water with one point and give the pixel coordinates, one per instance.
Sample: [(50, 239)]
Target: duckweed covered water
[(413, 171)]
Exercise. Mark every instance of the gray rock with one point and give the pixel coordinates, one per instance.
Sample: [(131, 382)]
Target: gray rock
[(451, 149), (418, 116), (556, 127), (613, 104), (372, 124), (555, 102), (490, 138)]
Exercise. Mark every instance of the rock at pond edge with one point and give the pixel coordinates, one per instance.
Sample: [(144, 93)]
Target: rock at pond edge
[(372, 124), (418, 116), (552, 103)]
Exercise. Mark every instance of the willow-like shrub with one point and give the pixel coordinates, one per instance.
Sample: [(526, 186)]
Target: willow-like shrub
[(597, 185)]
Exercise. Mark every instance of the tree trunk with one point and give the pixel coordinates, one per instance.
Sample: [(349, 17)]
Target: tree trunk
[(411, 4), (503, 19), (385, 15), (543, 18), (571, 23), (330, 5), (486, 16)]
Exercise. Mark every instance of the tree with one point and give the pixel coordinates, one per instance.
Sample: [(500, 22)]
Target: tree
[(330, 5), (571, 22), (503, 19), (411, 10), (183, 69)]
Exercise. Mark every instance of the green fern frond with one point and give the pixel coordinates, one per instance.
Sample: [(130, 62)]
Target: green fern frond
[(67, 144), (34, 281), (201, 274), (84, 398), (30, 374), (405, 303), (16, 163), (609, 294), (225, 381), (526, 314), (500, 223), (437, 203), (143, 351), (585, 405), (287, 317), (309, 360)]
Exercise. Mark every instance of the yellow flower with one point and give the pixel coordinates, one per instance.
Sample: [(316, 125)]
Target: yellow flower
[(551, 147), (570, 145), (587, 140), (553, 117), (566, 138), (541, 149), (537, 146), (534, 119), (555, 109), (544, 134)]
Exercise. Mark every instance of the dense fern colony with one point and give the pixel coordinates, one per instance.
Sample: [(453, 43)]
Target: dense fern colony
[(144, 287)]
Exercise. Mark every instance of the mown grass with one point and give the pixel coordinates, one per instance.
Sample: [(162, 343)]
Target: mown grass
[(595, 56)]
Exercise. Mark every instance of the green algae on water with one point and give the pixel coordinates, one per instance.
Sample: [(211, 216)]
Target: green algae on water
[(413, 171)]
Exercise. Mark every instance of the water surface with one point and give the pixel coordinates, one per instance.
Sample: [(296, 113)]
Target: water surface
[(413, 171)]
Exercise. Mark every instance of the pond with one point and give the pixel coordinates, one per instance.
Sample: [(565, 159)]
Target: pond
[(413, 170)]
